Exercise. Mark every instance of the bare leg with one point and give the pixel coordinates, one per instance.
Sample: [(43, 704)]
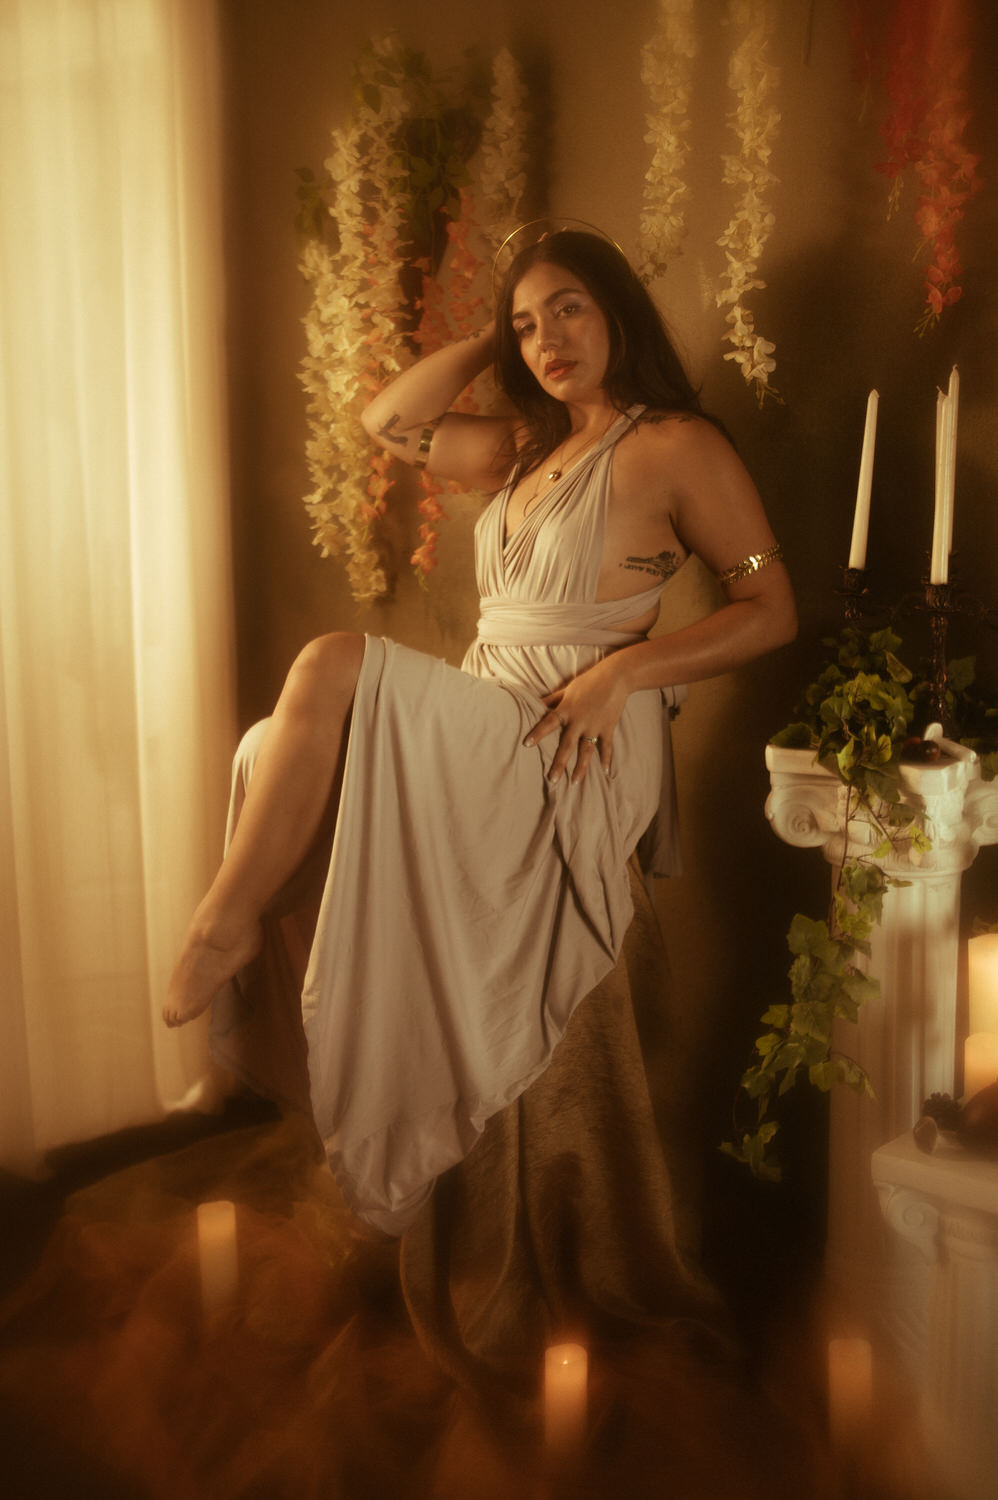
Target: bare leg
[(288, 795)]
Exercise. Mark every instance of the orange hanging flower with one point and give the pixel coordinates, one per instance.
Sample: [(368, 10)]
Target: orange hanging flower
[(424, 558), (432, 332)]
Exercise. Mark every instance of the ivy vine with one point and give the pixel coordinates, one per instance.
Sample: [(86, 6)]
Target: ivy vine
[(857, 718)]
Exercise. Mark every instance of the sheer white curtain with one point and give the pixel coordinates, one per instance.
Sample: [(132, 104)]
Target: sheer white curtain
[(115, 633)]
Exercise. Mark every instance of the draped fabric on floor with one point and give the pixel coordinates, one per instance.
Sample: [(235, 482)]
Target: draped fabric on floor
[(335, 1376), (116, 720), (562, 1222)]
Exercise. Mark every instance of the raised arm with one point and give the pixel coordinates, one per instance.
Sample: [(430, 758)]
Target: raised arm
[(411, 417)]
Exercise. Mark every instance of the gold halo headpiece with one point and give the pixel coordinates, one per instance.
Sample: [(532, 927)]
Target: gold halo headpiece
[(547, 226)]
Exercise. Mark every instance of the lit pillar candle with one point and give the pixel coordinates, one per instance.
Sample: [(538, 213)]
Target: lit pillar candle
[(566, 1380), (850, 1388), (861, 516), (980, 1062), (218, 1254), (982, 963)]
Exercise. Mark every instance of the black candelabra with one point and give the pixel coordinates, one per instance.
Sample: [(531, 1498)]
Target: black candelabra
[(940, 602)]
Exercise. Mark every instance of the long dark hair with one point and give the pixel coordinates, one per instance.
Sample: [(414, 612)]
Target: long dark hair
[(643, 366)]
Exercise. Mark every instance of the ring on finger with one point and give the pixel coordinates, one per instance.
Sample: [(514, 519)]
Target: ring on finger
[(590, 739)]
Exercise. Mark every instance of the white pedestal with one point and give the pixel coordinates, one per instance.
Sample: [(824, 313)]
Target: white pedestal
[(941, 1299), (906, 1040)]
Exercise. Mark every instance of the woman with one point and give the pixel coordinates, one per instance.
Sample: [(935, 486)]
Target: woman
[(476, 887)]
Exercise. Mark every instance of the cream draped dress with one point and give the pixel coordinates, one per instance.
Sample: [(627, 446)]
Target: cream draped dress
[(467, 904)]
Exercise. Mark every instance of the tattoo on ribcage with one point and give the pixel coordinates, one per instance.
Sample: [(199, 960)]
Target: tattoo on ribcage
[(390, 436), (662, 565)]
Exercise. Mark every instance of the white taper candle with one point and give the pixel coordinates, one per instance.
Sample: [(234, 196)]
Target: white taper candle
[(947, 410), (861, 516)]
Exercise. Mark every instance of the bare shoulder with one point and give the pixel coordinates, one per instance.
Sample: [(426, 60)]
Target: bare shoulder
[(670, 454), (679, 433)]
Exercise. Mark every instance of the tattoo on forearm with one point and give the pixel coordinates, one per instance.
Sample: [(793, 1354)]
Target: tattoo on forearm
[(662, 565), (390, 436)]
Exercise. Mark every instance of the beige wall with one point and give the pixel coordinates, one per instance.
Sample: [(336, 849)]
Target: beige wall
[(842, 300)]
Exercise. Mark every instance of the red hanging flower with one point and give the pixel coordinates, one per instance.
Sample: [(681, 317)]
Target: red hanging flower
[(925, 70), (946, 170)]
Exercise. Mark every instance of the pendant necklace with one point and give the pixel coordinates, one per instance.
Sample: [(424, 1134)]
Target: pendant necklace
[(555, 474)]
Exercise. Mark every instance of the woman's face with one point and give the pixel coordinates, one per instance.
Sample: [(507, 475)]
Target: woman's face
[(562, 333)]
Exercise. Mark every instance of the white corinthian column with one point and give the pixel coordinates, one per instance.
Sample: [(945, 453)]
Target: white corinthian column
[(906, 1039)]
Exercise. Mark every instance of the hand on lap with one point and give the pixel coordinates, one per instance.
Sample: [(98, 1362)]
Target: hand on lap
[(584, 714)]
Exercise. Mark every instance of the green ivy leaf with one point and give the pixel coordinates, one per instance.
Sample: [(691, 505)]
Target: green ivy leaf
[(897, 669), (861, 989), (776, 1015), (846, 758), (855, 1077), (800, 978), (822, 1075), (793, 737), (811, 1018), (961, 673), (811, 937)]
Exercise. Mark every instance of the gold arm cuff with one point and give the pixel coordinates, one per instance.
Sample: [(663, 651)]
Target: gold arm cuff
[(751, 564), (423, 447)]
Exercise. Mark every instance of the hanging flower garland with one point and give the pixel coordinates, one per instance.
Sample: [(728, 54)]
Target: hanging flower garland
[(353, 325), (445, 318), (502, 164), (925, 72), (487, 214), (904, 80), (755, 120), (393, 193), (667, 74), (946, 170)]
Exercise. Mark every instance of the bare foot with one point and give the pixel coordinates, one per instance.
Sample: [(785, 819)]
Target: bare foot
[(212, 954)]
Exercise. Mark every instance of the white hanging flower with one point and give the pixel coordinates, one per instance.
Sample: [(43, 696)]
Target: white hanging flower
[(352, 327), (502, 157), (667, 73), (755, 121)]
